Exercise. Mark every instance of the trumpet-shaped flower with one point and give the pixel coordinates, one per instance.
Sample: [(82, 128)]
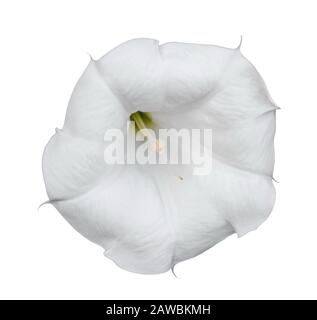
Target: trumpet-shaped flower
[(150, 217)]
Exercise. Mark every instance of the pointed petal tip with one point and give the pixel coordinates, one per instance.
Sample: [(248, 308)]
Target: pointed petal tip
[(43, 203), (275, 180), (48, 202), (90, 57), (240, 43), (173, 271)]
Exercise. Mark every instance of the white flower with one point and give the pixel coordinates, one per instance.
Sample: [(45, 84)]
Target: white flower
[(148, 218)]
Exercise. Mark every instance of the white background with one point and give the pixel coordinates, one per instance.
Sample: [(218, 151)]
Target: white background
[(43, 51)]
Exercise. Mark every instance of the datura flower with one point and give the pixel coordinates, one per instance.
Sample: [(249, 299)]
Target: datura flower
[(150, 217)]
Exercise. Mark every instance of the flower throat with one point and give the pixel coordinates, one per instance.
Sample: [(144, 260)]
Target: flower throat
[(143, 120)]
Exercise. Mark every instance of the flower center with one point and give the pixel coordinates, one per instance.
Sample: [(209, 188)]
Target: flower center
[(143, 120)]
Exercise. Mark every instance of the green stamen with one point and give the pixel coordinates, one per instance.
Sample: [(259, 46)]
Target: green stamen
[(143, 120)]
